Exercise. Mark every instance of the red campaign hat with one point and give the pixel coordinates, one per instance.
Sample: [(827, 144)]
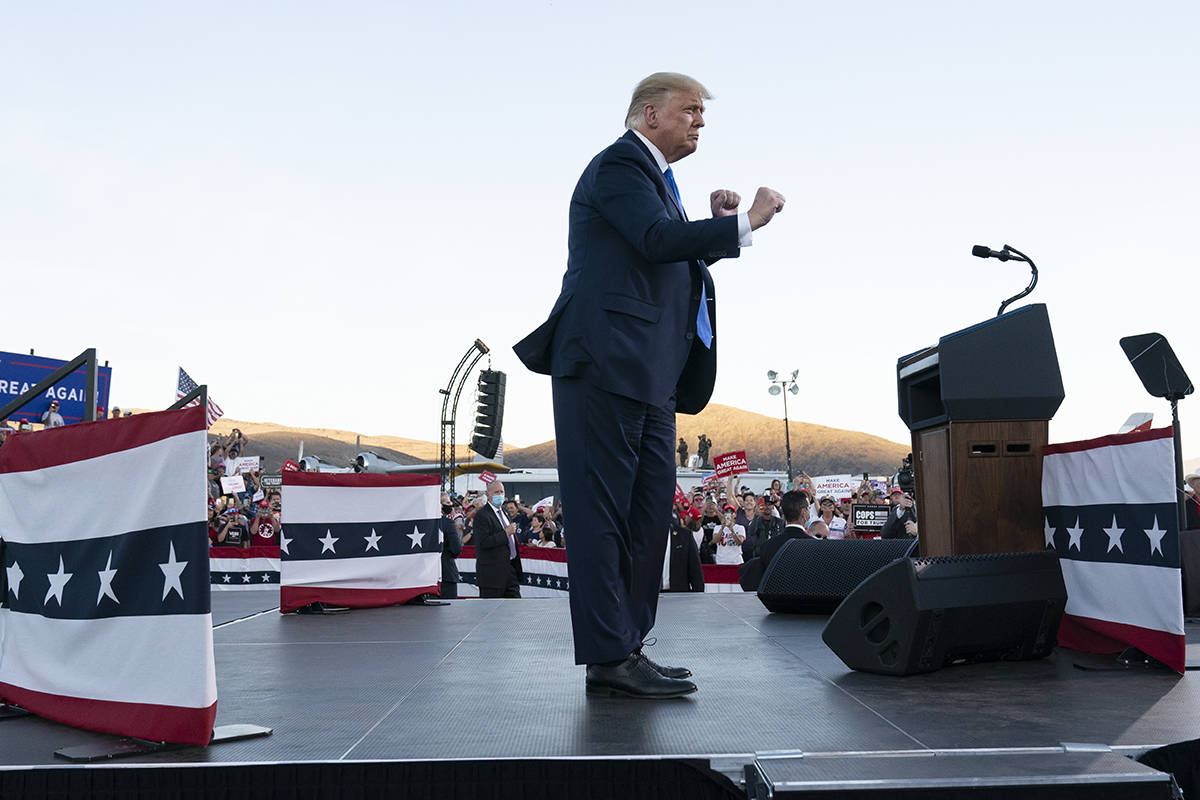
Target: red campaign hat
[(695, 513), (896, 489)]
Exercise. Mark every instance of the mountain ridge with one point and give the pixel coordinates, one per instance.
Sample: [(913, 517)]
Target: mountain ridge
[(816, 449)]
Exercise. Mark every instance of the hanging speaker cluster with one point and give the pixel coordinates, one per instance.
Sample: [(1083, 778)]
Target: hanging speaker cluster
[(489, 414)]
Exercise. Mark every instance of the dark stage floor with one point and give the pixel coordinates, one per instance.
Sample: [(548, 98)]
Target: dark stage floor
[(482, 679)]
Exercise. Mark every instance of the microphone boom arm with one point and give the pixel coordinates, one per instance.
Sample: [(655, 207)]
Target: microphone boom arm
[(1032, 280)]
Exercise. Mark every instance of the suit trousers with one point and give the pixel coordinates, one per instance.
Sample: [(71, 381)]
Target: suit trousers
[(616, 471), (511, 589)]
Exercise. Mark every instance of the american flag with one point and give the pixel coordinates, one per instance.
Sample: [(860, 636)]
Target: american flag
[(1111, 516), (106, 623), (186, 386)]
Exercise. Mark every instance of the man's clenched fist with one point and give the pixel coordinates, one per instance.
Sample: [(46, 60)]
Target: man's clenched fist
[(724, 202), (767, 203)]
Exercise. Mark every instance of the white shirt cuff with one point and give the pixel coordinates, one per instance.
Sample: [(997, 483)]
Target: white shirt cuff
[(745, 237)]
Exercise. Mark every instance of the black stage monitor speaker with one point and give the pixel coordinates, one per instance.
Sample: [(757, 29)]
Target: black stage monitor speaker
[(813, 576), (921, 614)]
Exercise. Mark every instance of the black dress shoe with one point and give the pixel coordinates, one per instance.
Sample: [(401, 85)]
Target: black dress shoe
[(679, 673), (635, 677)]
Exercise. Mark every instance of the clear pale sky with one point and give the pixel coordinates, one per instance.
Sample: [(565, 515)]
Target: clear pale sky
[(359, 190)]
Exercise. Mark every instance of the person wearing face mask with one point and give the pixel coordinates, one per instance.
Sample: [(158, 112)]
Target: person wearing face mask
[(497, 563), (452, 545)]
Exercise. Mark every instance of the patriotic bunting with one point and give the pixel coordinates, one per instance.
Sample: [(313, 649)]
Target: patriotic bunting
[(1111, 515), (358, 540), (244, 568), (107, 622)]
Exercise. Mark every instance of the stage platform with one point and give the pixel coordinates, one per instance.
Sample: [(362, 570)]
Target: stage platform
[(479, 682)]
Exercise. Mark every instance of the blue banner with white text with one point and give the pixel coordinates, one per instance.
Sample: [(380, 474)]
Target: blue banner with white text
[(19, 373)]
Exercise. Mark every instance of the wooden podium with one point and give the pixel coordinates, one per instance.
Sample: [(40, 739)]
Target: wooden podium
[(979, 405)]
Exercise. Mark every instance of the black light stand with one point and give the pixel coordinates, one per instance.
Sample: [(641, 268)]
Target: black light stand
[(450, 409), (1163, 376), (783, 386)]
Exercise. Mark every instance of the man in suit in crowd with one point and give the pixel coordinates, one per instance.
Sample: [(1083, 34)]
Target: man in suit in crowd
[(794, 507), (497, 564), (452, 546), (900, 515), (762, 528), (630, 342), (684, 573)]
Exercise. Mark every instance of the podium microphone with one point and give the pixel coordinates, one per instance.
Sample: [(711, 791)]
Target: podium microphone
[(1008, 254), (982, 251)]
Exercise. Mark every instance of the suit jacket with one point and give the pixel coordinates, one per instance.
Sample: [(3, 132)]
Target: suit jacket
[(493, 567), (626, 316), (760, 531), (685, 574), (768, 550), (894, 527), (451, 548)]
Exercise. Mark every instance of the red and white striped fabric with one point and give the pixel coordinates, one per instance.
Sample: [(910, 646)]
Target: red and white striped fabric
[(107, 624), (358, 540), (1110, 514)]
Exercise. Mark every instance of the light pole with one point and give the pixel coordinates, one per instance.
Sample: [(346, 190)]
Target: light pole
[(783, 386)]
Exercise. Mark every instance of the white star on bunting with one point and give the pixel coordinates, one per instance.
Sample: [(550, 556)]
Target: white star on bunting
[(1076, 535), (171, 570), (266, 577), (1050, 530), (1114, 536), (246, 578), (226, 578), (106, 578), (284, 542), (373, 541), (1156, 535), (327, 542), (58, 581), (14, 579), (416, 537)]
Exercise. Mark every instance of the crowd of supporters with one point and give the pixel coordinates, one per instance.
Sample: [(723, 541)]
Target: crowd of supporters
[(239, 518), (729, 522)]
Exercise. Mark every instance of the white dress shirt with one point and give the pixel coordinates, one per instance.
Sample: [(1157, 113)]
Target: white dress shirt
[(745, 238), (504, 523)]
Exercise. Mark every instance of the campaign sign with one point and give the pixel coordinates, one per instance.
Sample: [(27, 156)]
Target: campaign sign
[(869, 517), (234, 485), (487, 477), (731, 464), (271, 480), (836, 486), (20, 373), (242, 465)]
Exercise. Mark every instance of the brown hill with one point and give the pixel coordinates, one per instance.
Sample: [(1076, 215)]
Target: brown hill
[(274, 446), (816, 449)]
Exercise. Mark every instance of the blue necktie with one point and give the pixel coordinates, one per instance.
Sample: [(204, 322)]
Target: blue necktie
[(703, 325)]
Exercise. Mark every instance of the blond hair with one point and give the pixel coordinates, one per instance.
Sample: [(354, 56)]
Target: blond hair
[(654, 89)]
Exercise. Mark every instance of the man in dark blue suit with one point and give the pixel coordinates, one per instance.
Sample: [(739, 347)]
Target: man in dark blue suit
[(630, 342)]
